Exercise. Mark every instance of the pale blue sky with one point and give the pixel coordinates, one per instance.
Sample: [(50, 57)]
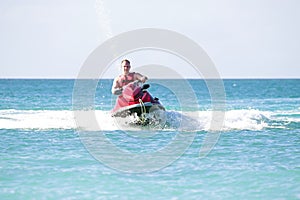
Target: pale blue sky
[(245, 39)]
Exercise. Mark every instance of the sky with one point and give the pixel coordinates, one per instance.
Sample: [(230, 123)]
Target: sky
[(244, 39)]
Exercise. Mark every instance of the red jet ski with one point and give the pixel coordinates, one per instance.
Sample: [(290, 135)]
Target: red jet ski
[(135, 100)]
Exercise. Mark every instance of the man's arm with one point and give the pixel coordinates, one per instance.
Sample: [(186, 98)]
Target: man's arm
[(115, 89), (140, 77)]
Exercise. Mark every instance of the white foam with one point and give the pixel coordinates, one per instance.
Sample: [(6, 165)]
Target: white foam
[(233, 120), (246, 120), (36, 119), (173, 120)]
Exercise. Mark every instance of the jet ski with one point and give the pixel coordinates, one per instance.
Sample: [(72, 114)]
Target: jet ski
[(136, 101)]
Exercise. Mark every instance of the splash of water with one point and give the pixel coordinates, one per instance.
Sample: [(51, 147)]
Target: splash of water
[(103, 18), (171, 120)]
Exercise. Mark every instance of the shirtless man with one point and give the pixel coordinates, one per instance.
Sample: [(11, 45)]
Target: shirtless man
[(125, 78)]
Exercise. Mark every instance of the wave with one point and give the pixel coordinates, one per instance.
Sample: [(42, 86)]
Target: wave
[(242, 119)]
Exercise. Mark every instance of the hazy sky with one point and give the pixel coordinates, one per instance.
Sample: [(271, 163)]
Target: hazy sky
[(245, 39)]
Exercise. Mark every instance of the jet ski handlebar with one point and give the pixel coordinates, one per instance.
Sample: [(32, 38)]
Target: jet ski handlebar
[(118, 91)]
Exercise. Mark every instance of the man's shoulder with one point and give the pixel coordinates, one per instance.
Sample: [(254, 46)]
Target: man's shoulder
[(137, 74), (117, 78)]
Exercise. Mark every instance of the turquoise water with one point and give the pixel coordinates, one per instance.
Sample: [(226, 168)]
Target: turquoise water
[(257, 155)]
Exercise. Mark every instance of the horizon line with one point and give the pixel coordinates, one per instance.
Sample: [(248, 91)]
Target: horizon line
[(155, 78)]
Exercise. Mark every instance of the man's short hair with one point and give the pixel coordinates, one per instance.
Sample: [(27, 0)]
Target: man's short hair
[(125, 60)]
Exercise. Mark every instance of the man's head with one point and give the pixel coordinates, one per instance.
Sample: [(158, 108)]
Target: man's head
[(125, 65)]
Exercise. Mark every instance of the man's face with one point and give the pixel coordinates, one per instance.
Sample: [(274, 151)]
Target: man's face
[(126, 67)]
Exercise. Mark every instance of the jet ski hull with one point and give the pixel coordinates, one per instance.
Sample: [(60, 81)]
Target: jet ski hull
[(137, 109), (135, 100)]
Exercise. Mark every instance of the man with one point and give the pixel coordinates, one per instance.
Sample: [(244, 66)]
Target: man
[(125, 78)]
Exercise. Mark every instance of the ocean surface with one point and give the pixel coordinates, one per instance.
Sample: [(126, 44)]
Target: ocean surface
[(256, 154)]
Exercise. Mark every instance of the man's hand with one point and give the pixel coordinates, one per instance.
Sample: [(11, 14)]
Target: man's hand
[(143, 79), (117, 91)]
